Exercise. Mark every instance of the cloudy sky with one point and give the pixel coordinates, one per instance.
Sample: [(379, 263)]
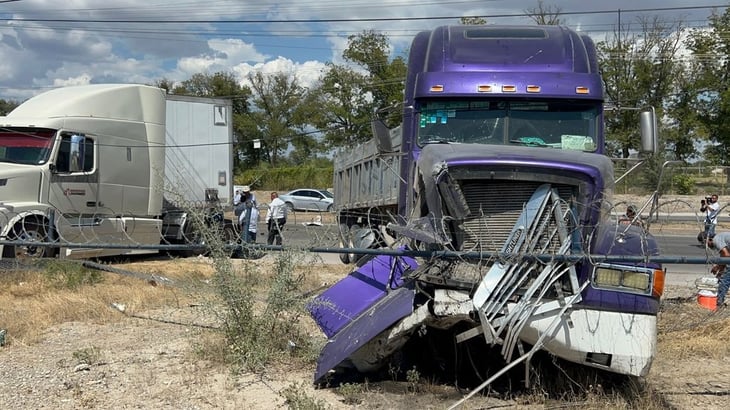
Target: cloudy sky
[(51, 43)]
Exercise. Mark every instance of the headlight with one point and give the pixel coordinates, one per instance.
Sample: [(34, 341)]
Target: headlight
[(633, 279)]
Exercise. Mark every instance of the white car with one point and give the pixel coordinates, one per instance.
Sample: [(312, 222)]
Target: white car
[(307, 199)]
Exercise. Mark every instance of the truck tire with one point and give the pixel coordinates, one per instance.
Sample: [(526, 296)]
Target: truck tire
[(345, 242), (192, 237), (230, 238), (28, 230), (352, 256)]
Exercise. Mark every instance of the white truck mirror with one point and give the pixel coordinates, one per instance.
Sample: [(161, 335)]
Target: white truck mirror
[(649, 138), (76, 158)]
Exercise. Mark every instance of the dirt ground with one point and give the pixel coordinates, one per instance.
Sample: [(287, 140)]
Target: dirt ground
[(146, 360)]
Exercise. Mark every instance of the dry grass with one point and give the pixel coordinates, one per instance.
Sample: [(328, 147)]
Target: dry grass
[(687, 330), (34, 300)]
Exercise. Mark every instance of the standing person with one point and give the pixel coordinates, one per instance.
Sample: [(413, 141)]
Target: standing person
[(711, 208), (247, 194), (720, 242), (275, 219), (252, 222), (237, 198)]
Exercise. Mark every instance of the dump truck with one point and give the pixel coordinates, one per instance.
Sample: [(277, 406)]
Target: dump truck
[(480, 216), (110, 169)]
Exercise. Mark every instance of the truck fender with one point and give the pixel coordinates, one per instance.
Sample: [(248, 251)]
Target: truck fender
[(35, 218)]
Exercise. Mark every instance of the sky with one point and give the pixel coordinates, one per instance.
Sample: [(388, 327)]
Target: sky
[(46, 44)]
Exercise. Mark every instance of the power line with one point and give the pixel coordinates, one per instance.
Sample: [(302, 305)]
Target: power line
[(342, 20)]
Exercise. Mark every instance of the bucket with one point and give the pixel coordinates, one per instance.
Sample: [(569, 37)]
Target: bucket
[(707, 299)]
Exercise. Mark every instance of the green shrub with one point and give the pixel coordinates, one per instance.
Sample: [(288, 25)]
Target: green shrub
[(70, 274), (683, 184)]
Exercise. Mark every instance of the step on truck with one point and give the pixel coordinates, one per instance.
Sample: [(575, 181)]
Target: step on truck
[(113, 169), (498, 175)]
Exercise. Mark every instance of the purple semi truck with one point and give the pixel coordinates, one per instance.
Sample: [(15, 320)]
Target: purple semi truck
[(498, 177)]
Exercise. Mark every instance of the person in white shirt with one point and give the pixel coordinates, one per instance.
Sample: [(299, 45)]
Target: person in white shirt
[(711, 209), (275, 219)]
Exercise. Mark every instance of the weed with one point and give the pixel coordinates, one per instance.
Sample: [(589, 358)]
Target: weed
[(297, 398), (258, 331), (88, 355), (413, 377), (64, 274), (350, 393)]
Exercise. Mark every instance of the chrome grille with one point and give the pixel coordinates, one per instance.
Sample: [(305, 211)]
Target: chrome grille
[(495, 207)]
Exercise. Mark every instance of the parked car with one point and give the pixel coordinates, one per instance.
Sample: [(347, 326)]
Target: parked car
[(308, 200)]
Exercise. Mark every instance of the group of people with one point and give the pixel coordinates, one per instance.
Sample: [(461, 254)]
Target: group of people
[(246, 209)]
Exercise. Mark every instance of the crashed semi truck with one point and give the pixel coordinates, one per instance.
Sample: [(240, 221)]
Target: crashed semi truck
[(113, 169), (479, 211)]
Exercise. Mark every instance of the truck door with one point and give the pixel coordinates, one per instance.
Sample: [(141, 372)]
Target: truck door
[(74, 188)]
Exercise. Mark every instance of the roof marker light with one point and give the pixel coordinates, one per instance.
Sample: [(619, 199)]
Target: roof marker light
[(484, 88), (438, 88), (509, 88), (582, 90), (533, 88)]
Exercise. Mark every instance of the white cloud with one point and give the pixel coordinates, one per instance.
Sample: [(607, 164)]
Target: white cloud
[(42, 53), (306, 73), (82, 79)]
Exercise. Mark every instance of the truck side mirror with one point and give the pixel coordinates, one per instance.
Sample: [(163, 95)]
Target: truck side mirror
[(381, 133), (76, 157), (649, 139)]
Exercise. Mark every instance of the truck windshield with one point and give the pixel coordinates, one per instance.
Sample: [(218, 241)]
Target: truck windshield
[(558, 124), (30, 146)]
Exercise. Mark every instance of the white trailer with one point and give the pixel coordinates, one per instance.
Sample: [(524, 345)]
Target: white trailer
[(110, 164)]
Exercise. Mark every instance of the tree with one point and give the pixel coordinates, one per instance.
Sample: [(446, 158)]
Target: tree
[(6, 106), (711, 99), (639, 71), (371, 50), (279, 117), (545, 15), (344, 106)]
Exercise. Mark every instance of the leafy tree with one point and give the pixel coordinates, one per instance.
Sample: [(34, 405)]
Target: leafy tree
[(545, 15), (280, 117), (6, 106), (639, 70), (344, 108), (711, 93), (371, 50)]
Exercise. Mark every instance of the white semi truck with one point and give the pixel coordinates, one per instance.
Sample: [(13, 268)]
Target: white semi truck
[(112, 169)]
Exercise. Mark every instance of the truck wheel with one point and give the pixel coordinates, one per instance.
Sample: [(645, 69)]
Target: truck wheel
[(345, 242), (353, 230), (193, 237), (28, 230), (230, 238)]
